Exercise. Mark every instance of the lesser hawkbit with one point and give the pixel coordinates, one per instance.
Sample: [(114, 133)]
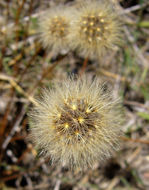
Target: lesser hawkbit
[(77, 122)]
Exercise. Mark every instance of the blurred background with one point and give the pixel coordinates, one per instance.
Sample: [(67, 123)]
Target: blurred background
[(26, 67)]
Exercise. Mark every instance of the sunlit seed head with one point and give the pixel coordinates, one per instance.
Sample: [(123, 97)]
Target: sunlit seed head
[(96, 28), (77, 133), (84, 29), (74, 107), (58, 115), (81, 132), (84, 22), (102, 20), (66, 125), (88, 110), (81, 120), (55, 28)]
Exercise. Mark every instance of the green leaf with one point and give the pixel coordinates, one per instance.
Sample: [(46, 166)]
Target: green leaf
[(144, 115), (144, 24)]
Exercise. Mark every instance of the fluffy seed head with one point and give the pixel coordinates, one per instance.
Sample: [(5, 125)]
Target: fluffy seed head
[(76, 123), (55, 26), (96, 28)]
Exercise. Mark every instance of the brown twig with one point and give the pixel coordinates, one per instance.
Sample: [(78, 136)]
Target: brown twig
[(18, 16), (17, 87), (84, 66), (45, 73), (113, 75), (133, 103), (4, 121), (135, 140), (38, 48), (24, 172)]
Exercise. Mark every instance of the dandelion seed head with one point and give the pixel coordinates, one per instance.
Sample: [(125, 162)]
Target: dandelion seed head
[(55, 28), (76, 123), (96, 28)]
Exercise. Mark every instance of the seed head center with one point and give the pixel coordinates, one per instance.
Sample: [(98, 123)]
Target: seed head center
[(93, 27), (59, 26), (75, 118)]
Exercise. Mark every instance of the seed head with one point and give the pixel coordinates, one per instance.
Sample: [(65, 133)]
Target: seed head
[(55, 26), (77, 123), (96, 28)]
